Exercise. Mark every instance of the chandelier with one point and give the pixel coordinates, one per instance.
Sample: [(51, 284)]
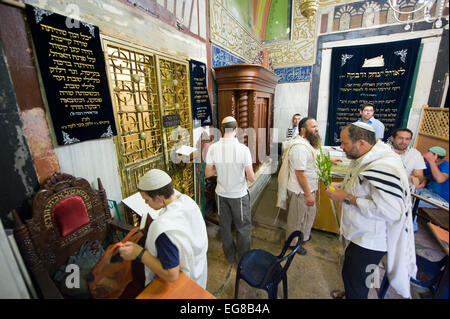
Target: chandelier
[(308, 8), (423, 6)]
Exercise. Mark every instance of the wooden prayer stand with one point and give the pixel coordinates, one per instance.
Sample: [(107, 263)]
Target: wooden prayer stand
[(246, 92)]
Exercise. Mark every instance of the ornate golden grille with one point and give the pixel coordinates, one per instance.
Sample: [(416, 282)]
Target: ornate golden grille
[(135, 94), (145, 87), (175, 100)]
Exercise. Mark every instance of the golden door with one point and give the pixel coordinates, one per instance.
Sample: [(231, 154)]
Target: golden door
[(145, 87)]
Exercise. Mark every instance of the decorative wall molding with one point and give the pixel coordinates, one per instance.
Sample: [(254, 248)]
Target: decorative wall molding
[(300, 50), (326, 3), (371, 13), (226, 32)]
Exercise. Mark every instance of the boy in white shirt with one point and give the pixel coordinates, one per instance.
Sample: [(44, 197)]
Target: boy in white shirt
[(176, 239)]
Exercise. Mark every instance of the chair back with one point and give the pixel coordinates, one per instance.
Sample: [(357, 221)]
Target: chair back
[(66, 213), (270, 276)]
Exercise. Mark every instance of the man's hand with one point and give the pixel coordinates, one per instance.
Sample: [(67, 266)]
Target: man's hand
[(423, 184), (415, 180), (336, 184), (430, 157), (337, 195), (335, 160), (129, 250), (310, 200)]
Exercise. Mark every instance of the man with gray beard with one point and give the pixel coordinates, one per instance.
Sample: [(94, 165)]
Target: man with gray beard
[(303, 180)]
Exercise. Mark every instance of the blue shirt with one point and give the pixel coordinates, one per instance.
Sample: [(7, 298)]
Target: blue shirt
[(377, 126), (167, 252), (439, 188)]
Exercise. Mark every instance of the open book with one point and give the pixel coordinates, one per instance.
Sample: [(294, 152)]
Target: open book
[(137, 204)]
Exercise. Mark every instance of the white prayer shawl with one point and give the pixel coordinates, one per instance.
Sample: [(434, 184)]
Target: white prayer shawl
[(283, 174), (183, 223), (380, 166)]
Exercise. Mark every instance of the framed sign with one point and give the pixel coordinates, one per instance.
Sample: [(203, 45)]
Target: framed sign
[(72, 67), (377, 73), (171, 120), (201, 106)]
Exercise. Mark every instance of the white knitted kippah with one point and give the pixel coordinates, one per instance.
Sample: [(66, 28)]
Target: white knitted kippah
[(364, 126), (228, 119), (154, 179)]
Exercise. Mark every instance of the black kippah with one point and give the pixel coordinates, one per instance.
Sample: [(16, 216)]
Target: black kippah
[(303, 122)]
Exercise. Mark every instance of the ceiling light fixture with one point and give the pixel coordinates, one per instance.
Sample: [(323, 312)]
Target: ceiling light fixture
[(422, 6)]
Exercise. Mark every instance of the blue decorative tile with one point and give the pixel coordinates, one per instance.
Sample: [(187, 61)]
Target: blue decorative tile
[(221, 57), (294, 74)]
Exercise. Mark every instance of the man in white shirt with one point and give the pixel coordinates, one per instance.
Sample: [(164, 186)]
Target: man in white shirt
[(232, 162), (303, 181), (176, 239), (412, 159), (376, 214)]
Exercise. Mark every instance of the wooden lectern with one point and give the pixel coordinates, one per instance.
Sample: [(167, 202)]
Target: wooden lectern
[(245, 91)]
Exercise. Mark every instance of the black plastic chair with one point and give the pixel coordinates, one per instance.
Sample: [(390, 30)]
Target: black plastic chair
[(430, 275), (260, 269)]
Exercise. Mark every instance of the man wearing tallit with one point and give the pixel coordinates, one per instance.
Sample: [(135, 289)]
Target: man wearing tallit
[(376, 214), (298, 181), (176, 239)]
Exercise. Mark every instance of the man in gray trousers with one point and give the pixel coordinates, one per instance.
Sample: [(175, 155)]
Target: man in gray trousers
[(232, 162)]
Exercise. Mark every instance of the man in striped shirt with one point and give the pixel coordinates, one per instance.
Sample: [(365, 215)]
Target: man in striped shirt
[(376, 214), (292, 131)]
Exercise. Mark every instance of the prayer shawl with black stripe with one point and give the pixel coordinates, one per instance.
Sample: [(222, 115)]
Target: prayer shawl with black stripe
[(283, 174), (383, 169), (291, 131)]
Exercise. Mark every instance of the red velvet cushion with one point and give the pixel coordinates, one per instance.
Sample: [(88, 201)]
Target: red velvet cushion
[(70, 213)]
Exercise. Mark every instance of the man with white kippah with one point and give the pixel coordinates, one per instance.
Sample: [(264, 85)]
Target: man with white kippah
[(376, 214), (232, 162), (176, 239), (365, 126)]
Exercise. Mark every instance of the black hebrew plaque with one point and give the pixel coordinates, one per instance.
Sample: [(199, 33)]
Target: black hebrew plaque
[(201, 106), (72, 67), (377, 73), (171, 120)]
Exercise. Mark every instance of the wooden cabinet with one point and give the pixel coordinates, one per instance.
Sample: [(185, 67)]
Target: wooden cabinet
[(245, 91)]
